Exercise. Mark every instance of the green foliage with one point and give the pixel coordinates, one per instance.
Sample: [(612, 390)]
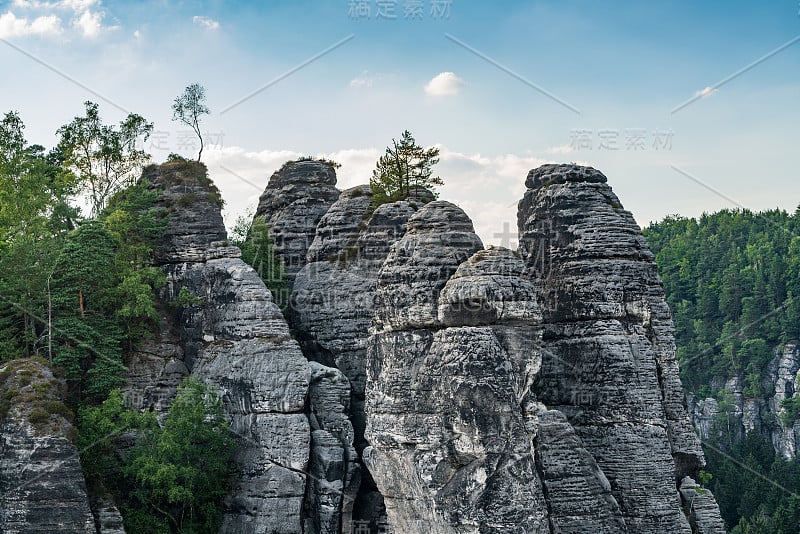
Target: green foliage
[(183, 470), (186, 299), (252, 237), (34, 218), (99, 427), (404, 167), (188, 107), (103, 291), (704, 477), (175, 158), (792, 410), (174, 478), (731, 279), (330, 162), (104, 157)]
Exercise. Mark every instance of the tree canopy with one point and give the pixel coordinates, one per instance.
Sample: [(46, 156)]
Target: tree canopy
[(105, 158), (188, 107), (404, 168), (732, 280)]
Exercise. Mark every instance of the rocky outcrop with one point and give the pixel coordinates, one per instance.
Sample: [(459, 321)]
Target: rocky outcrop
[(155, 369), (763, 414), (332, 303), (235, 338), (297, 196), (608, 355), (42, 488), (459, 442), (702, 508)]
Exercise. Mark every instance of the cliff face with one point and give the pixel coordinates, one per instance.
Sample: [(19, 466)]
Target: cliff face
[(297, 196), (41, 483), (763, 415), (609, 360), (236, 339)]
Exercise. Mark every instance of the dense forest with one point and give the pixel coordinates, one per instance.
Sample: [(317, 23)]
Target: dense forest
[(732, 280)]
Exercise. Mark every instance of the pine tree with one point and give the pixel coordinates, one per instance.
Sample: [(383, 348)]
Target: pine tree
[(404, 168)]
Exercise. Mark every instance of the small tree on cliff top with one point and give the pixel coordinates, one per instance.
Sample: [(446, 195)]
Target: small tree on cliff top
[(188, 107), (404, 167)]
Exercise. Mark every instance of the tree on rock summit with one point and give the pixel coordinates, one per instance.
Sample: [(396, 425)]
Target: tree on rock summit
[(403, 169)]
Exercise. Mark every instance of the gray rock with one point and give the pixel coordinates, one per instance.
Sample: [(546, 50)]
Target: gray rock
[(154, 370), (108, 519), (608, 357), (457, 437), (236, 339), (297, 196), (331, 310), (338, 230), (334, 474), (41, 483), (764, 414), (193, 203), (439, 237), (703, 510), (579, 498)]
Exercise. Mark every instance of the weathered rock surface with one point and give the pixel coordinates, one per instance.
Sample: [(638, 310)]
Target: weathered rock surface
[(155, 369), (332, 303), (703, 508), (764, 414), (297, 196), (236, 339), (459, 442), (335, 472), (42, 488), (450, 450), (608, 355)]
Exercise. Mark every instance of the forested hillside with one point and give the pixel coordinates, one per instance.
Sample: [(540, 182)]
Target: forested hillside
[(733, 283)]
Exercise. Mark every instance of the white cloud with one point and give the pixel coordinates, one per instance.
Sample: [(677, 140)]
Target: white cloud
[(12, 26), (90, 23), (85, 16), (444, 84), (137, 34), (205, 22), (705, 92), (561, 149), (366, 79)]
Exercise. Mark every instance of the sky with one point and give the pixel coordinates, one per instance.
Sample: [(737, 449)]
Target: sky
[(687, 107)]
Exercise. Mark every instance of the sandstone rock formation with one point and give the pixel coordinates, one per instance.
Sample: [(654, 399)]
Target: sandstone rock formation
[(456, 389), (608, 354), (537, 392), (236, 339), (703, 509), (332, 303), (41, 483), (762, 415), (296, 198)]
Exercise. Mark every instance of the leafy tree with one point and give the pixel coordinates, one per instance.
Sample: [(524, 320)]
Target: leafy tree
[(87, 340), (404, 167), (731, 278), (34, 217), (98, 429), (181, 472), (188, 107), (104, 157)]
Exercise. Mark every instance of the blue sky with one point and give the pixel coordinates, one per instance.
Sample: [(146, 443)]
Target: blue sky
[(625, 66)]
